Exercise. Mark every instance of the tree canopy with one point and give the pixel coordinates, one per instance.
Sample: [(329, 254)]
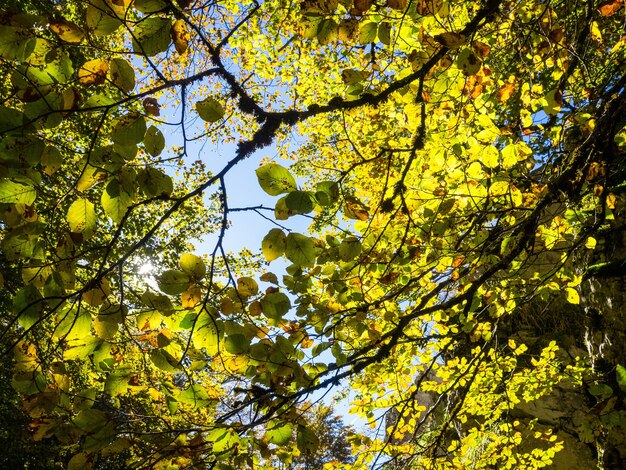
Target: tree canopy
[(459, 166)]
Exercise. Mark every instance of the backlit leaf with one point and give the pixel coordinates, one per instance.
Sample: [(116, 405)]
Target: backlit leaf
[(152, 36), (275, 179), (210, 109), (81, 216)]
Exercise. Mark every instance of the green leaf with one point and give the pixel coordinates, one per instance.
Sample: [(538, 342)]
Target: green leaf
[(237, 344), (300, 250), (349, 249), (17, 190), (90, 421), (117, 382), (81, 216), (306, 440), (16, 43), (327, 31), (152, 36), (274, 244), (210, 109), (279, 434), (164, 360), (299, 201), (601, 391), (384, 33), (275, 179), (28, 304), (620, 372), (107, 322), (173, 282), (153, 182), (150, 6), (367, 32), (115, 201), (275, 305), (101, 19), (159, 302), (128, 129), (154, 141), (122, 74), (207, 333), (192, 265)]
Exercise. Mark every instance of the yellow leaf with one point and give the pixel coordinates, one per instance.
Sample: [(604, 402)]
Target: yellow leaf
[(180, 36), (610, 201), (595, 32), (191, 297), (67, 32), (591, 243), (572, 296), (93, 72)]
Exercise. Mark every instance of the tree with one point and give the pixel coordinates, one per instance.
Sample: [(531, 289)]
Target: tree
[(462, 168)]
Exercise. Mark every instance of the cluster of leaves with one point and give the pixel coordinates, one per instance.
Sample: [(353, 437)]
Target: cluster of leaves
[(461, 161)]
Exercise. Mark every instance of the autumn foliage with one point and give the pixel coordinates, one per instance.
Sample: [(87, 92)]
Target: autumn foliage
[(458, 164)]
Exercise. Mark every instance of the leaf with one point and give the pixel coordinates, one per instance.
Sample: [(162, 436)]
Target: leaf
[(128, 129), (180, 36), (300, 250), (299, 201), (269, 277), (150, 6), (28, 304), (122, 74), (173, 282), (81, 217), (17, 190), (236, 344), (468, 62), (384, 33), (572, 296), (117, 382), (151, 106), (207, 333), (191, 297), (153, 182), (281, 211), (246, 286), (610, 7), (115, 201), (367, 33), (67, 31), (279, 434), (620, 373), (349, 249), (151, 36), (327, 31), (102, 19), (210, 110), (450, 40), (355, 209), (275, 179), (306, 440), (192, 265), (16, 43), (154, 141), (275, 305), (93, 72)]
